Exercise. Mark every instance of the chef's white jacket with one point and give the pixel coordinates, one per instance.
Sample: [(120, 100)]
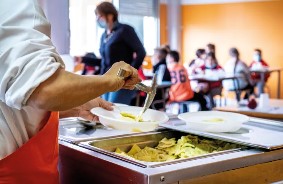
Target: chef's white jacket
[(27, 58)]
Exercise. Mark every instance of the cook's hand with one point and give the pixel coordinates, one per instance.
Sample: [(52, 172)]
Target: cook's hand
[(83, 111), (116, 82)]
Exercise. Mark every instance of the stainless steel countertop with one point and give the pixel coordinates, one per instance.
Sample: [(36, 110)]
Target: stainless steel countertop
[(170, 173), (193, 168)]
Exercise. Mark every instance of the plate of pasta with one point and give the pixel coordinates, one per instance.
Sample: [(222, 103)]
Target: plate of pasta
[(126, 118), (214, 121)]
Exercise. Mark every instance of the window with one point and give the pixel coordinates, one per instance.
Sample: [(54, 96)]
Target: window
[(143, 16), (85, 34)]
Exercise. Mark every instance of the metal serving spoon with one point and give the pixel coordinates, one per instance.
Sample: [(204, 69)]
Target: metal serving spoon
[(150, 90)]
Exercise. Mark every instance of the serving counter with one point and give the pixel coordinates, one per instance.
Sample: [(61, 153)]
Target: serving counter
[(80, 162)]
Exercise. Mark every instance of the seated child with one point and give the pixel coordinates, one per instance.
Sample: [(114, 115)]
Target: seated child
[(235, 66), (258, 64), (181, 89), (198, 62), (211, 68), (160, 68)]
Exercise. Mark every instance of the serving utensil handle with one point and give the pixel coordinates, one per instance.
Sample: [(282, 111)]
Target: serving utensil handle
[(123, 73)]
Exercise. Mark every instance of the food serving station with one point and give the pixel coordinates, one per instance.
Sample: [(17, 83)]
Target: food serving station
[(87, 155)]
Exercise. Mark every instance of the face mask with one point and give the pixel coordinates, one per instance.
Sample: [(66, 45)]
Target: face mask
[(102, 23), (234, 57), (257, 58), (210, 66)]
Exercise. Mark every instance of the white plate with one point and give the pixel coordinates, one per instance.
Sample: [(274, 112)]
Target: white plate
[(113, 119), (120, 104), (200, 121)]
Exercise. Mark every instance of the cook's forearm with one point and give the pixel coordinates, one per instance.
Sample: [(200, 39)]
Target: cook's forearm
[(75, 112), (65, 90)]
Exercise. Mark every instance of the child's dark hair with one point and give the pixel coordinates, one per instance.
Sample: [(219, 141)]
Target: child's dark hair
[(162, 52), (259, 51), (234, 52), (211, 47), (212, 55), (175, 55), (200, 52)]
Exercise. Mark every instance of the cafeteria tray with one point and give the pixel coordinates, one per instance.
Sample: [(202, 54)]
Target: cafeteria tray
[(72, 130), (258, 133), (107, 146)]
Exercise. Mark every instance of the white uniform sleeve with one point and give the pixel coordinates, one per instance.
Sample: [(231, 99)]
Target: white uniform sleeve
[(27, 55)]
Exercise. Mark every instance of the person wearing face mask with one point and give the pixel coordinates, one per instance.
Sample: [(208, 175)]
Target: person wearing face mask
[(235, 66), (258, 64), (119, 42), (211, 68), (257, 60)]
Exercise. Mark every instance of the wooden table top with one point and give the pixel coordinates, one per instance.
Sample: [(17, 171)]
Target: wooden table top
[(274, 111), (269, 70)]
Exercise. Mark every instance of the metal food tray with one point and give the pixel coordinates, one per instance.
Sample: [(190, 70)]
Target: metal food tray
[(259, 133), (74, 131), (108, 146)]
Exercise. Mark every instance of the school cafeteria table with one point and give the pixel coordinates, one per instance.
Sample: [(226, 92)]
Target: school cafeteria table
[(274, 111), (270, 70), (211, 78)]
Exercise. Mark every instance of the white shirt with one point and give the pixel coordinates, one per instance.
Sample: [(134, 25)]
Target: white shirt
[(197, 64), (27, 58), (241, 70)]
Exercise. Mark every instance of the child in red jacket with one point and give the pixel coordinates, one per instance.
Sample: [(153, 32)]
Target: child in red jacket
[(258, 64), (211, 68)]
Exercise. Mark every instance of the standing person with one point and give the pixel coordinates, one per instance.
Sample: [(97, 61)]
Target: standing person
[(181, 89), (119, 42), (33, 87), (236, 66), (258, 64)]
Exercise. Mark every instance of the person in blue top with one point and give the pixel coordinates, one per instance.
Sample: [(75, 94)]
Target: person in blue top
[(119, 42)]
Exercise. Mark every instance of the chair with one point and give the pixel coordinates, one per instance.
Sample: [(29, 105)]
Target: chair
[(238, 94), (182, 107), (211, 94), (159, 102)]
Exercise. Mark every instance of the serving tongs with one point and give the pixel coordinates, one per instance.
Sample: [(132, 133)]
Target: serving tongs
[(150, 91)]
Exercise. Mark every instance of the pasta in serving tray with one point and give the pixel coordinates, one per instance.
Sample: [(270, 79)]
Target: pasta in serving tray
[(171, 149)]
